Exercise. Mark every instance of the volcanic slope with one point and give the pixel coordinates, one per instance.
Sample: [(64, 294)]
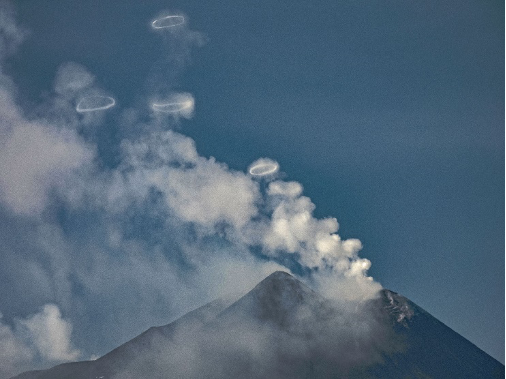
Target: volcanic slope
[(283, 329)]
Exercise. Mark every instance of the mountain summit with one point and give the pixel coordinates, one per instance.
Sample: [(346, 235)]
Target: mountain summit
[(283, 329), (275, 299)]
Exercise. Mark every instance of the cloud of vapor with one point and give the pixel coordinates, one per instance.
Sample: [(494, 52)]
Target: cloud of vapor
[(71, 78), (121, 248), (294, 229), (14, 354), (45, 334), (209, 194), (11, 33), (34, 158), (51, 334)]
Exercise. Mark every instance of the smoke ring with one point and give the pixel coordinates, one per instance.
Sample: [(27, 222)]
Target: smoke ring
[(263, 169), (95, 103), (167, 22)]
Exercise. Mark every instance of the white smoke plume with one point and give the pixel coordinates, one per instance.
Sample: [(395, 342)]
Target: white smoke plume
[(14, 353), (34, 158), (44, 334), (51, 334), (160, 233)]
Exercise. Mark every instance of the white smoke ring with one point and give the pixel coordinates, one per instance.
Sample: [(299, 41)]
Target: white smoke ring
[(180, 104), (263, 167), (95, 103), (166, 22)]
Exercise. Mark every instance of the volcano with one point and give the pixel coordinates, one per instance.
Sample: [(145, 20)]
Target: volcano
[(284, 329)]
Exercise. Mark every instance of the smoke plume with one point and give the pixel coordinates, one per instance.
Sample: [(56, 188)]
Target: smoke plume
[(119, 247)]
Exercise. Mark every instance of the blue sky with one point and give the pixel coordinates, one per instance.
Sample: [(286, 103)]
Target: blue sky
[(390, 115)]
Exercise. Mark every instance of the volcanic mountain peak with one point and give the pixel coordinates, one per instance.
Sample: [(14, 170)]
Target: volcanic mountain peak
[(278, 276), (283, 329), (277, 299), (283, 288)]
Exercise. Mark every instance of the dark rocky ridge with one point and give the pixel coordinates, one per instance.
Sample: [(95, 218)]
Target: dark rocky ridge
[(283, 329)]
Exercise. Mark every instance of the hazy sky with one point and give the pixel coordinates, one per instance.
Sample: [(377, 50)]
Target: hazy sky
[(390, 114)]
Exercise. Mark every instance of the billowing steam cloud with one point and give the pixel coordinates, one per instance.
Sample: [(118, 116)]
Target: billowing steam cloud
[(45, 335), (34, 158), (160, 233), (50, 334)]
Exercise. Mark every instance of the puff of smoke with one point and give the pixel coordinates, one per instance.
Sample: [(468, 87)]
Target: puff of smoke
[(11, 34), (14, 353), (73, 83), (45, 334), (71, 78), (58, 153), (51, 334), (315, 243), (54, 155)]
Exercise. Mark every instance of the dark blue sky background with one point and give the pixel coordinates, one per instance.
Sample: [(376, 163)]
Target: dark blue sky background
[(390, 113)]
